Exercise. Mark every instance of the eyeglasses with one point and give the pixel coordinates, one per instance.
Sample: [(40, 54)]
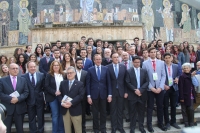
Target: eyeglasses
[(69, 73), (14, 68)]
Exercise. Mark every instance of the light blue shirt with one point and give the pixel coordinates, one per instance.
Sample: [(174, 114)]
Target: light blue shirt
[(137, 73), (97, 69), (72, 81), (171, 72), (35, 77)]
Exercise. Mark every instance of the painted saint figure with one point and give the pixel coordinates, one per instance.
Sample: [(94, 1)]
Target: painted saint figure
[(168, 21), (186, 20), (4, 22), (148, 19), (24, 22), (87, 9)]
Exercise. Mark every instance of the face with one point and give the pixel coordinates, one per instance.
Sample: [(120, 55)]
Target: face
[(29, 49), (132, 51), (67, 46), (99, 44), (12, 60), (115, 58), (91, 42), (5, 69), (118, 44), (14, 69), (47, 52), (70, 74), (99, 50), (198, 65), (185, 44), (97, 60), (58, 44), (23, 4), (186, 69), (39, 50), (125, 56), (79, 64), (62, 50), (31, 68), (168, 59), (136, 41), (110, 47), (56, 67), (175, 48), (190, 48), (168, 50), (3, 60), (33, 58), (181, 46), (74, 45), (158, 55), (152, 54), (136, 63), (143, 45), (120, 50), (89, 49), (83, 53), (105, 44), (56, 54), (82, 44), (73, 51), (145, 54), (67, 58), (21, 58), (19, 51), (160, 43), (83, 39)]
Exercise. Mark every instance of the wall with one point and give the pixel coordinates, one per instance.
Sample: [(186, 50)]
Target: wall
[(165, 19)]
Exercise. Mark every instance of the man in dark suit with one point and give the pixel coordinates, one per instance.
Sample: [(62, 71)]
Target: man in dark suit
[(171, 88), (117, 76), (81, 76), (15, 104), (35, 100), (87, 63), (98, 90), (46, 61), (71, 109), (107, 57), (137, 84)]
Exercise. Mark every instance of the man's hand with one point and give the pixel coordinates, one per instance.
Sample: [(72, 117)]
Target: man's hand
[(89, 100), (14, 100), (2, 127), (182, 101), (109, 99), (176, 80), (166, 87), (137, 92), (154, 90), (126, 95), (66, 104), (158, 90), (193, 73), (57, 93)]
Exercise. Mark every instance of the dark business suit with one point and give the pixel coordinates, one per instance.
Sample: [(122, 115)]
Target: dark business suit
[(17, 110), (105, 62), (84, 101), (88, 63), (118, 87), (171, 95), (44, 66), (99, 91), (137, 103), (35, 102)]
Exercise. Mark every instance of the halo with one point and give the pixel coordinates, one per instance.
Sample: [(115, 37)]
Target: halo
[(164, 1), (20, 3), (6, 4), (198, 15), (149, 2), (184, 5)]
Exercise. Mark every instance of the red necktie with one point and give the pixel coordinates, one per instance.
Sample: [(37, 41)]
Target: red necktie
[(154, 65), (169, 71), (125, 63)]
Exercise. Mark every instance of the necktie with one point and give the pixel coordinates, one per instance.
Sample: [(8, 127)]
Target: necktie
[(98, 73), (154, 65), (125, 63), (116, 71), (138, 78), (108, 60), (169, 71), (14, 82), (70, 85), (33, 80)]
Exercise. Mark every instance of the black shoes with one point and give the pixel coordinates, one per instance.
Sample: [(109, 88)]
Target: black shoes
[(168, 126), (121, 130), (162, 127), (150, 129), (142, 130), (175, 125), (127, 120)]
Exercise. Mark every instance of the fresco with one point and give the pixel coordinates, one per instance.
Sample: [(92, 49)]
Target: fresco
[(169, 20)]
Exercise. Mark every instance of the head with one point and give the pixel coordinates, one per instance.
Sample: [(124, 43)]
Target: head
[(79, 63), (81, 44), (119, 50), (71, 73), (53, 47), (136, 41), (168, 49), (186, 67), (97, 59), (191, 48), (38, 51), (31, 66), (67, 57), (145, 53), (175, 48), (33, 58), (29, 48), (58, 43), (105, 45), (90, 41), (99, 42), (89, 49), (198, 47), (83, 38), (152, 52), (136, 61), (143, 45), (198, 65), (118, 44), (107, 53), (125, 56), (158, 55), (185, 44), (83, 53), (62, 49), (47, 45), (99, 50), (67, 46), (56, 53), (3, 59), (132, 50), (74, 45), (4, 68), (11, 60), (168, 58), (47, 51), (21, 59), (55, 67), (115, 57), (159, 43), (13, 69)]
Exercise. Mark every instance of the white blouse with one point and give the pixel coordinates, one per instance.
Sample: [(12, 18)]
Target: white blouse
[(58, 79)]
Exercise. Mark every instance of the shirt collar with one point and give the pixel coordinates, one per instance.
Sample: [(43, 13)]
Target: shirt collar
[(97, 66), (31, 74), (71, 81), (152, 59)]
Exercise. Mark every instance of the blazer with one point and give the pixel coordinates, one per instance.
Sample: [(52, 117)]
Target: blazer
[(120, 81), (105, 62), (83, 77), (95, 88), (130, 64), (50, 87), (175, 74), (131, 83), (44, 66), (35, 93), (160, 70), (76, 93), (6, 89), (181, 58), (88, 64)]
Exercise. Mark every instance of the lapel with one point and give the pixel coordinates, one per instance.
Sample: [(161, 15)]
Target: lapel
[(141, 76), (113, 71), (38, 78), (151, 66), (82, 73), (73, 85), (133, 75), (18, 83), (10, 83), (173, 71), (94, 70)]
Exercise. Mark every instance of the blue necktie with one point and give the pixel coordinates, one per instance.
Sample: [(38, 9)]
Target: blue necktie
[(33, 80), (116, 71), (98, 73), (138, 78)]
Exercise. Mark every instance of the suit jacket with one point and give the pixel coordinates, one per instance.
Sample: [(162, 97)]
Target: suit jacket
[(131, 83), (35, 93), (175, 74), (76, 93), (130, 64), (83, 77), (120, 81), (88, 64), (44, 66), (105, 62), (160, 70), (6, 89), (95, 88), (50, 87)]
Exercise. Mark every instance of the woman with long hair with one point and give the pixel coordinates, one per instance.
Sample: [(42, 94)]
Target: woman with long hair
[(99, 51), (168, 49), (67, 61), (4, 70), (193, 56), (178, 54), (11, 60), (21, 61), (52, 84), (3, 59), (143, 46), (17, 52), (89, 52), (111, 47), (81, 45), (72, 51), (39, 53)]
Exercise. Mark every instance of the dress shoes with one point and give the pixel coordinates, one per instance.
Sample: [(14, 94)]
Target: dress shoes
[(121, 130), (104, 132), (127, 120), (162, 127), (175, 125), (142, 130), (168, 126), (150, 129), (113, 130), (83, 131)]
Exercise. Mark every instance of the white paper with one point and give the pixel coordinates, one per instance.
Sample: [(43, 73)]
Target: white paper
[(155, 76), (14, 94), (66, 99)]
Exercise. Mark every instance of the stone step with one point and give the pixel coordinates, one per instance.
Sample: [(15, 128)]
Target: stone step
[(48, 125)]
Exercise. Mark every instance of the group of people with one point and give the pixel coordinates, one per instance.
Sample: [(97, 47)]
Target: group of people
[(120, 80)]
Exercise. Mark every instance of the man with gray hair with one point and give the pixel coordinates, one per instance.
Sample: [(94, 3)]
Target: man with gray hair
[(72, 93), (107, 57)]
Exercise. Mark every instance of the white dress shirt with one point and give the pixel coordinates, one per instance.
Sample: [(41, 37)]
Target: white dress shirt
[(35, 77), (58, 79)]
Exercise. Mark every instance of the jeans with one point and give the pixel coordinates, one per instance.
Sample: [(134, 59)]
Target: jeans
[(57, 118)]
